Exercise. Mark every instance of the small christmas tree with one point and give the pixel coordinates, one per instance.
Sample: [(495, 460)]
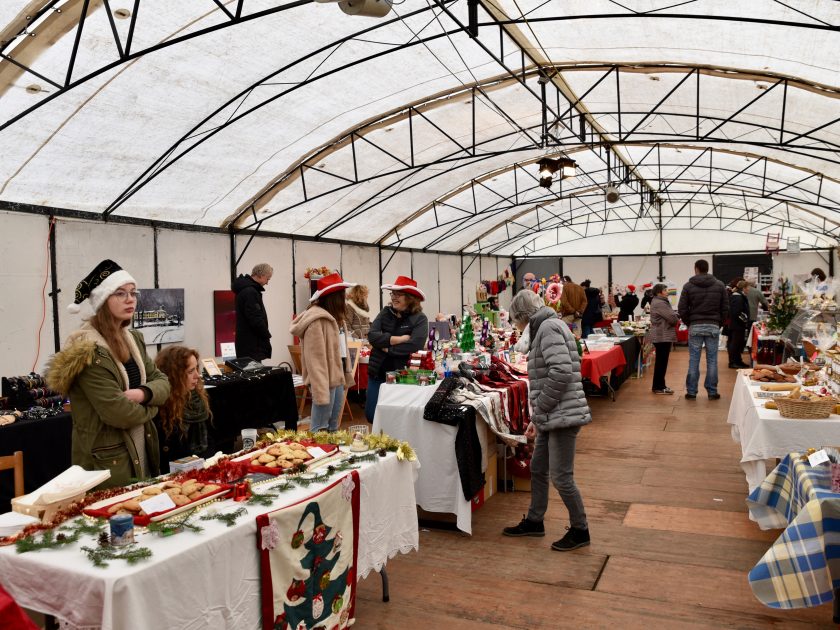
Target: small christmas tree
[(467, 337), (784, 307)]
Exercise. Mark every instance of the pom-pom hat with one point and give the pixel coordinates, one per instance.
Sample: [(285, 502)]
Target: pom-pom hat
[(406, 285), (99, 285), (330, 284)]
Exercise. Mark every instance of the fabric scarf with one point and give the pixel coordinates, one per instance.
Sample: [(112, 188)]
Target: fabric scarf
[(195, 418)]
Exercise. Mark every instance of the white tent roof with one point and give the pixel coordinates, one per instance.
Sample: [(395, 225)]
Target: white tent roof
[(714, 118)]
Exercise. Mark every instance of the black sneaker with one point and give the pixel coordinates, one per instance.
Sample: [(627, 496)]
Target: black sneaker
[(714, 396), (690, 396), (525, 528), (574, 539)]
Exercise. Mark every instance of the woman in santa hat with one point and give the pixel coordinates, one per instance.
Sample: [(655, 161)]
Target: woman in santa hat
[(323, 351), (627, 304), (114, 387), (400, 329)]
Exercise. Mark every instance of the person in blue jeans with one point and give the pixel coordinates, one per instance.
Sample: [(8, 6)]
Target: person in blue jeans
[(703, 307)]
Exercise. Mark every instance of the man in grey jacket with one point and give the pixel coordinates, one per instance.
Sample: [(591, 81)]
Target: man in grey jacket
[(703, 307), (559, 409)]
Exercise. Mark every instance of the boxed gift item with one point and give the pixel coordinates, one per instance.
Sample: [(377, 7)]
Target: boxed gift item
[(186, 463)]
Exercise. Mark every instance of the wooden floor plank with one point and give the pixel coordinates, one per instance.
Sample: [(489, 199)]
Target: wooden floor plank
[(695, 521), (671, 539)]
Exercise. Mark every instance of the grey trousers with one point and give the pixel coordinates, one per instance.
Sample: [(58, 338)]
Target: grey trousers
[(554, 456)]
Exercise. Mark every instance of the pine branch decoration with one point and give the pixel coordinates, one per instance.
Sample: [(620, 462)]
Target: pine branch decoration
[(131, 554), (228, 518)]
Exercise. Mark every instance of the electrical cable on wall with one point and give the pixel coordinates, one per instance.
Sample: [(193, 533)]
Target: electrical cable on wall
[(43, 297)]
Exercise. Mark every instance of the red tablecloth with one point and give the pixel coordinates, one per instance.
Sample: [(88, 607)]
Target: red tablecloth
[(361, 377), (11, 615), (594, 365), (604, 323)]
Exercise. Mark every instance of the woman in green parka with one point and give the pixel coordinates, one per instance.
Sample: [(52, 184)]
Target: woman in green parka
[(114, 387)]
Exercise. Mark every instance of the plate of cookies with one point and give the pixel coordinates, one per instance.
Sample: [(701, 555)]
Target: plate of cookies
[(287, 456), (186, 495)]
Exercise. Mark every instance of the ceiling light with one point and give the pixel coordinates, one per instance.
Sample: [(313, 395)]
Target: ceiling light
[(122, 14), (611, 194), (563, 167)]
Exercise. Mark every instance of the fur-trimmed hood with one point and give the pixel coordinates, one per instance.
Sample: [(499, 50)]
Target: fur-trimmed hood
[(79, 352), (358, 308)]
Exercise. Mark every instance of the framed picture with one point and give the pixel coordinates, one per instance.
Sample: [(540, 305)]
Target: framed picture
[(210, 367), (160, 315)]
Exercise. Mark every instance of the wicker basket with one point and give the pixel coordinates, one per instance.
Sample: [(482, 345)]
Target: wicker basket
[(806, 409), (791, 369)]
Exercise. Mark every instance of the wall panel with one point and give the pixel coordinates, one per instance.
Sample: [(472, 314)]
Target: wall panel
[(361, 265), (310, 254), (23, 269), (426, 274)]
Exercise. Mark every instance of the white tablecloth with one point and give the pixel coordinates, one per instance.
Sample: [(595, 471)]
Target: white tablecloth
[(202, 580), (399, 413), (763, 433)]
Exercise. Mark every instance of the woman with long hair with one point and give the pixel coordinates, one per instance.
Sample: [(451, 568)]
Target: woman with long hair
[(400, 329), (182, 421), (324, 361), (357, 312), (114, 387), (663, 334)]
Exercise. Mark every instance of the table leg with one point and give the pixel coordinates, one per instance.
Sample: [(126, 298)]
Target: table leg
[(836, 605), (610, 390), (386, 594)]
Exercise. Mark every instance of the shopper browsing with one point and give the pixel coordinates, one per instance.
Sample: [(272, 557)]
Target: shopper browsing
[(357, 312), (252, 336), (663, 334), (559, 410), (739, 318), (114, 387), (627, 304), (703, 307), (400, 329), (182, 421), (325, 364)]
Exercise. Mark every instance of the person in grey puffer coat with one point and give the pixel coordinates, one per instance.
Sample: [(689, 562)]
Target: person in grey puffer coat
[(559, 409)]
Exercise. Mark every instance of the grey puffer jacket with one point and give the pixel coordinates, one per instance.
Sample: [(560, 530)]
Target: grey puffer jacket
[(557, 398)]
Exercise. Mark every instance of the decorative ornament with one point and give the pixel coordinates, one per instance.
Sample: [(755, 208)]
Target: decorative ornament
[(297, 539), (270, 536), (347, 487), (317, 606), (319, 534), (296, 591)]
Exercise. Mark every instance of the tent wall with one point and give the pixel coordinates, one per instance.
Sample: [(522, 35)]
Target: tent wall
[(23, 269), (198, 262)]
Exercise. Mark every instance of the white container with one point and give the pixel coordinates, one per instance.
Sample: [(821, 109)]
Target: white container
[(249, 438)]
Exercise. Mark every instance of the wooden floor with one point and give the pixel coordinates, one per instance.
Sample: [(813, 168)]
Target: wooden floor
[(671, 539)]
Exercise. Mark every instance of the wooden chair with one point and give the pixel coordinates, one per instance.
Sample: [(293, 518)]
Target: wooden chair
[(354, 352), (14, 462), (294, 351)]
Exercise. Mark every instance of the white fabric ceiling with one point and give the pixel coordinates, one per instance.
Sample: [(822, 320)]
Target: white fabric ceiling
[(405, 131)]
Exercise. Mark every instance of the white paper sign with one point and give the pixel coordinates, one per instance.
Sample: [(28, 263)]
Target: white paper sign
[(818, 458), (316, 452), (158, 503), (228, 349)]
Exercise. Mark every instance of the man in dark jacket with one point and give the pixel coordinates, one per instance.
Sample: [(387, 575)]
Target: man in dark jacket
[(252, 336), (703, 307)]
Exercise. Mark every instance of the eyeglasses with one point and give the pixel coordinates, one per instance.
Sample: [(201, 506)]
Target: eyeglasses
[(397, 294), (125, 295)]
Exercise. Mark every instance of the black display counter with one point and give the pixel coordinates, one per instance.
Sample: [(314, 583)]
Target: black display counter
[(238, 403)]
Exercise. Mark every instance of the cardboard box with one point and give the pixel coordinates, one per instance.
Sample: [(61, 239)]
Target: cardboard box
[(510, 483)]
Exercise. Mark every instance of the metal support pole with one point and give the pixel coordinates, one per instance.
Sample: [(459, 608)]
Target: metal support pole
[(609, 277), (472, 18), (54, 285), (232, 254)]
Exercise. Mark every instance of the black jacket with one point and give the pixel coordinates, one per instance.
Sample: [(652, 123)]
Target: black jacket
[(386, 325), (739, 311), (626, 306), (592, 313), (703, 300), (252, 336)]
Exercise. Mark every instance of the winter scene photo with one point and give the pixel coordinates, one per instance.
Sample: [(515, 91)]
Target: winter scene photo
[(160, 315)]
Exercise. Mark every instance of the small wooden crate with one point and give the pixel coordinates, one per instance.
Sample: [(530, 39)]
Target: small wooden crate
[(46, 512)]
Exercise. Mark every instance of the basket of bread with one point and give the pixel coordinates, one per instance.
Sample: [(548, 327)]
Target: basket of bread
[(803, 405)]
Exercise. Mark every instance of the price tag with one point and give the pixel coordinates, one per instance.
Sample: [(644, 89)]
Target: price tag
[(316, 452), (158, 503), (820, 457)]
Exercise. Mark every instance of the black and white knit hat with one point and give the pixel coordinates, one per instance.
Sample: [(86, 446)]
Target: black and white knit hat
[(99, 284)]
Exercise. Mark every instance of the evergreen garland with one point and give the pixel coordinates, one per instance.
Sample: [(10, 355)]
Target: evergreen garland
[(102, 554), (228, 518), (175, 525)]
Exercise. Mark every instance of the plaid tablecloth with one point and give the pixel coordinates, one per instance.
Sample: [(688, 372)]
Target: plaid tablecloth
[(802, 568)]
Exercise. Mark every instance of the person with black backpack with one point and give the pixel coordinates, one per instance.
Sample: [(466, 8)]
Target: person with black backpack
[(739, 317)]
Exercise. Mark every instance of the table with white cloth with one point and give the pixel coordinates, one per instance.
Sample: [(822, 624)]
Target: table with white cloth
[(209, 579), (399, 413), (764, 433)]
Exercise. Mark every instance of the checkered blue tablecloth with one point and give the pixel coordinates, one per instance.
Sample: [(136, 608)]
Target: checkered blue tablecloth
[(803, 566)]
